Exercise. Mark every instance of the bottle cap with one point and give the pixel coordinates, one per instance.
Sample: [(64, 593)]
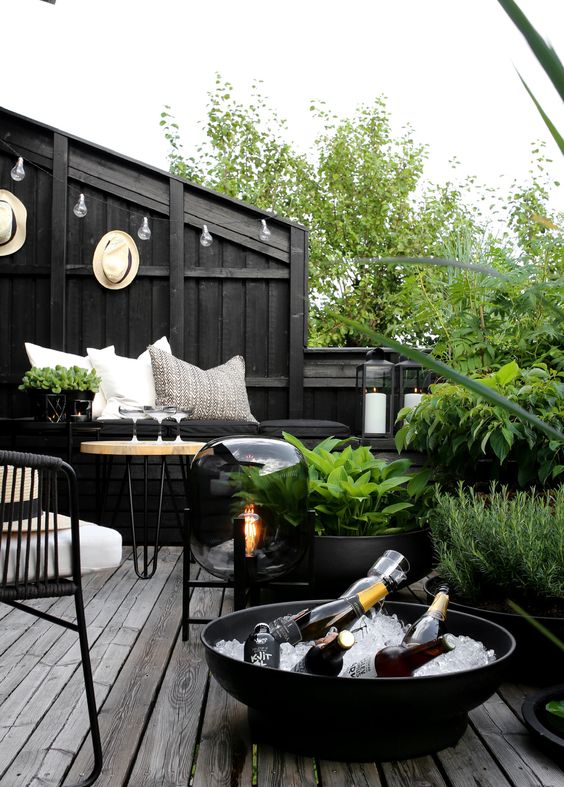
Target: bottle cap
[(345, 639), (263, 628)]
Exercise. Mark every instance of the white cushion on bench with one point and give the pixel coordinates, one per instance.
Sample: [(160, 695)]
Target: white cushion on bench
[(100, 549)]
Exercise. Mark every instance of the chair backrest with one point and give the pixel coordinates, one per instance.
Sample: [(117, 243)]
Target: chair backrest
[(32, 488)]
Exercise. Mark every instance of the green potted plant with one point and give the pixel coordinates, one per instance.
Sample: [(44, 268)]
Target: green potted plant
[(56, 391), (469, 438), (502, 547), (363, 506)]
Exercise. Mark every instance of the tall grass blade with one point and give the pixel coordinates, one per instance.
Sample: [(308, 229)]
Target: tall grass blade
[(549, 124), (544, 53), (444, 370), (552, 637)]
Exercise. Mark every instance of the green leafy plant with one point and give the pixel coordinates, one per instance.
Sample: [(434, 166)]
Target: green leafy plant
[(501, 545), (59, 379), (356, 494), (456, 428), (282, 492)]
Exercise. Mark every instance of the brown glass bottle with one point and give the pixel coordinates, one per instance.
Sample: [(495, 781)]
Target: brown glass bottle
[(399, 661), (432, 623), (311, 624), (326, 659)]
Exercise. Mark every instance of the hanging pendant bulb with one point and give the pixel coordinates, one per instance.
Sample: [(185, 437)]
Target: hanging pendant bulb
[(18, 172), (80, 208), (264, 232), (205, 238), (144, 231)]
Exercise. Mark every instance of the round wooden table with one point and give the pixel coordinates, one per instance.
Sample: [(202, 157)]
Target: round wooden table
[(107, 450)]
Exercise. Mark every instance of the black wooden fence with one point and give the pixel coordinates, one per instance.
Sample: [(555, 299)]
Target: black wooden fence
[(238, 296)]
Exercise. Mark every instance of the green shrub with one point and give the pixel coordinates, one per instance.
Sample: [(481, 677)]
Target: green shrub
[(500, 545), (456, 428), (60, 379), (356, 494)]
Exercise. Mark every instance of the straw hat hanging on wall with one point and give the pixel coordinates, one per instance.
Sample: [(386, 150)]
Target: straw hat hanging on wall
[(13, 217), (116, 260)]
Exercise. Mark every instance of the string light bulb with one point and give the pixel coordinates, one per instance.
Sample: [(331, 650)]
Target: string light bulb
[(18, 172), (264, 232), (80, 208), (206, 238), (144, 231)]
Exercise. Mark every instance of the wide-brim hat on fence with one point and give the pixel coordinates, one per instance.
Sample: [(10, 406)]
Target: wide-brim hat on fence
[(13, 216), (116, 260)]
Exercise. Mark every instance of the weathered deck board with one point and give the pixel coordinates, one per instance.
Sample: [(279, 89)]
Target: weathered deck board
[(128, 706), (164, 723), (166, 753)]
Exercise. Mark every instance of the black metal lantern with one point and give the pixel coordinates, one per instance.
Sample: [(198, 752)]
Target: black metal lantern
[(413, 381), (375, 385), (248, 505)]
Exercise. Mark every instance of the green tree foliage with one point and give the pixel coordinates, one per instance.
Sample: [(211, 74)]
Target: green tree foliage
[(356, 192), (360, 192)]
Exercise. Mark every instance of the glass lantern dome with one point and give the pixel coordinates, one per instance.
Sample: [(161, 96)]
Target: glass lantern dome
[(259, 483)]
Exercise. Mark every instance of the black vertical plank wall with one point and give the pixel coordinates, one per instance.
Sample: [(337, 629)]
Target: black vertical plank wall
[(240, 296)]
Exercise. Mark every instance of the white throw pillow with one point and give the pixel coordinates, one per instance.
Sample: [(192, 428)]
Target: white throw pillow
[(126, 381), (45, 356)]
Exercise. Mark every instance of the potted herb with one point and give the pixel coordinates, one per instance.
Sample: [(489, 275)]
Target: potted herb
[(57, 391), (363, 505), (501, 547)]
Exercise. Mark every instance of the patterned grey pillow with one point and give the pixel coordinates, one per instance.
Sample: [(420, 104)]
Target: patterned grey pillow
[(217, 394)]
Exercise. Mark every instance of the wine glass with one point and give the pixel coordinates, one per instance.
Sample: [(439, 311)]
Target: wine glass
[(159, 414), (178, 416), (133, 413)]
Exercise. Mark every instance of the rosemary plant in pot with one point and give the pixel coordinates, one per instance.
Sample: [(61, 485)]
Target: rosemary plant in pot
[(363, 505)]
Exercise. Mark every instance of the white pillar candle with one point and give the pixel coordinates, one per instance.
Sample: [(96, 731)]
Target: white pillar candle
[(375, 405), (412, 399)]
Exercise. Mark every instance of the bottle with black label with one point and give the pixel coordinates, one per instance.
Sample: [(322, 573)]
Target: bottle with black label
[(311, 624), (326, 658), (261, 648), (432, 623), (399, 661)]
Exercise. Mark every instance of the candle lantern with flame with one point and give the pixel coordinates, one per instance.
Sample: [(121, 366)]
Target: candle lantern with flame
[(375, 385), (414, 381), (248, 507)]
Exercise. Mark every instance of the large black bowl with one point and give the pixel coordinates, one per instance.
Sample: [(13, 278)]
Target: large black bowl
[(354, 719), (547, 729)]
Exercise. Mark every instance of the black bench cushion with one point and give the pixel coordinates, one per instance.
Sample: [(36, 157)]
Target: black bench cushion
[(304, 428)]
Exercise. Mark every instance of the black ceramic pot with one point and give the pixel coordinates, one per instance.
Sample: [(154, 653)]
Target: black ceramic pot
[(537, 661), (349, 719), (339, 560), (546, 729)]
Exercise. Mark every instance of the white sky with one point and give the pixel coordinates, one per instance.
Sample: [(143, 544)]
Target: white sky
[(104, 69)]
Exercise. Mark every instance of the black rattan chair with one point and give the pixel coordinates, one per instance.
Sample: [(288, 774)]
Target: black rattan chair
[(40, 554)]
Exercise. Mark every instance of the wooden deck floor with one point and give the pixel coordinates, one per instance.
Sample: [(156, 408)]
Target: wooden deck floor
[(164, 722)]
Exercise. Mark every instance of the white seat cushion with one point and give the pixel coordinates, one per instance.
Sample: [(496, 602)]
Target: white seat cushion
[(100, 549)]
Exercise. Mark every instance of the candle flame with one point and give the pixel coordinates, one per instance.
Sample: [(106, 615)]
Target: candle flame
[(252, 530)]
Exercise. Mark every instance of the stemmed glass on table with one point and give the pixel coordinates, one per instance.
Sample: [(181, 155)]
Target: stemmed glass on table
[(159, 414), (179, 415), (133, 413)]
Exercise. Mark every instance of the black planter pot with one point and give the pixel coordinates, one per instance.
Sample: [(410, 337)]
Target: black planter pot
[(348, 719), (537, 661), (546, 729), (339, 560)]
